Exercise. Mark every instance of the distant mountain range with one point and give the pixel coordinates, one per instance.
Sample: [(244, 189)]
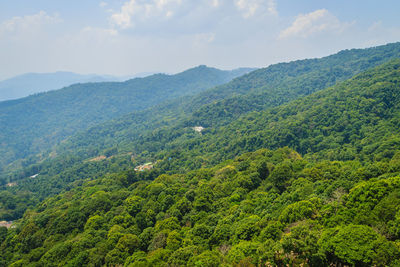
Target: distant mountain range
[(32, 83)]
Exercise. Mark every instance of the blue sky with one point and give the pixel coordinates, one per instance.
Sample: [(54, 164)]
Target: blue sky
[(123, 37)]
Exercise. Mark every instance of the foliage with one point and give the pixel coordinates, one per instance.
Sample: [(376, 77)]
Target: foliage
[(236, 194), (158, 222)]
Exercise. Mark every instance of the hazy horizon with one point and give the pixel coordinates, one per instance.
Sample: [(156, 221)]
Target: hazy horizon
[(125, 37)]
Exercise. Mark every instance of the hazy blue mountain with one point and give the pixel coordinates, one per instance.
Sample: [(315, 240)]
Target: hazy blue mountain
[(32, 83)]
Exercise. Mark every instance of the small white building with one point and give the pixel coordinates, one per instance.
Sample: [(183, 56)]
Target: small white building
[(198, 128)]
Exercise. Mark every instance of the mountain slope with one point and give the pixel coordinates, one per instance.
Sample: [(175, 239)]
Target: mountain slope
[(281, 83), (348, 121), (213, 108), (33, 124), (351, 120)]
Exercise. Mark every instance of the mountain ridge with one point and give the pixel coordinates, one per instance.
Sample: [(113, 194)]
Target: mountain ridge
[(216, 107), (57, 114)]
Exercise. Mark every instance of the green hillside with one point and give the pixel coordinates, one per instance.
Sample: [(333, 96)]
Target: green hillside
[(33, 124), (226, 134), (313, 182), (256, 91), (355, 119), (165, 131)]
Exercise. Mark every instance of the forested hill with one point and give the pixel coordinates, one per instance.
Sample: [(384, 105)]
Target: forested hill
[(35, 127), (280, 83), (305, 125), (355, 119), (266, 207), (256, 91), (35, 123)]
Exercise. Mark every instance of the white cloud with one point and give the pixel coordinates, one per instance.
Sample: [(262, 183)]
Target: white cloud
[(147, 35), (103, 4), (142, 13), (142, 10), (215, 3), (309, 24), (251, 7), (271, 7), (27, 24)]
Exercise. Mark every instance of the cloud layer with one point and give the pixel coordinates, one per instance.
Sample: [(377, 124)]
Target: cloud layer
[(318, 21), (143, 14), (126, 37)]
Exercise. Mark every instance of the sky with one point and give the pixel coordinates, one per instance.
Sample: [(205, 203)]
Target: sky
[(125, 37)]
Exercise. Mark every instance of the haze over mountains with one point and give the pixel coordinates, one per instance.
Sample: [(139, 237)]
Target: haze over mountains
[(295, 164), (33, 83)]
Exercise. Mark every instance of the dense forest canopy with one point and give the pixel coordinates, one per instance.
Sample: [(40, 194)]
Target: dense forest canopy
[(297, 164), (265, 207)]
